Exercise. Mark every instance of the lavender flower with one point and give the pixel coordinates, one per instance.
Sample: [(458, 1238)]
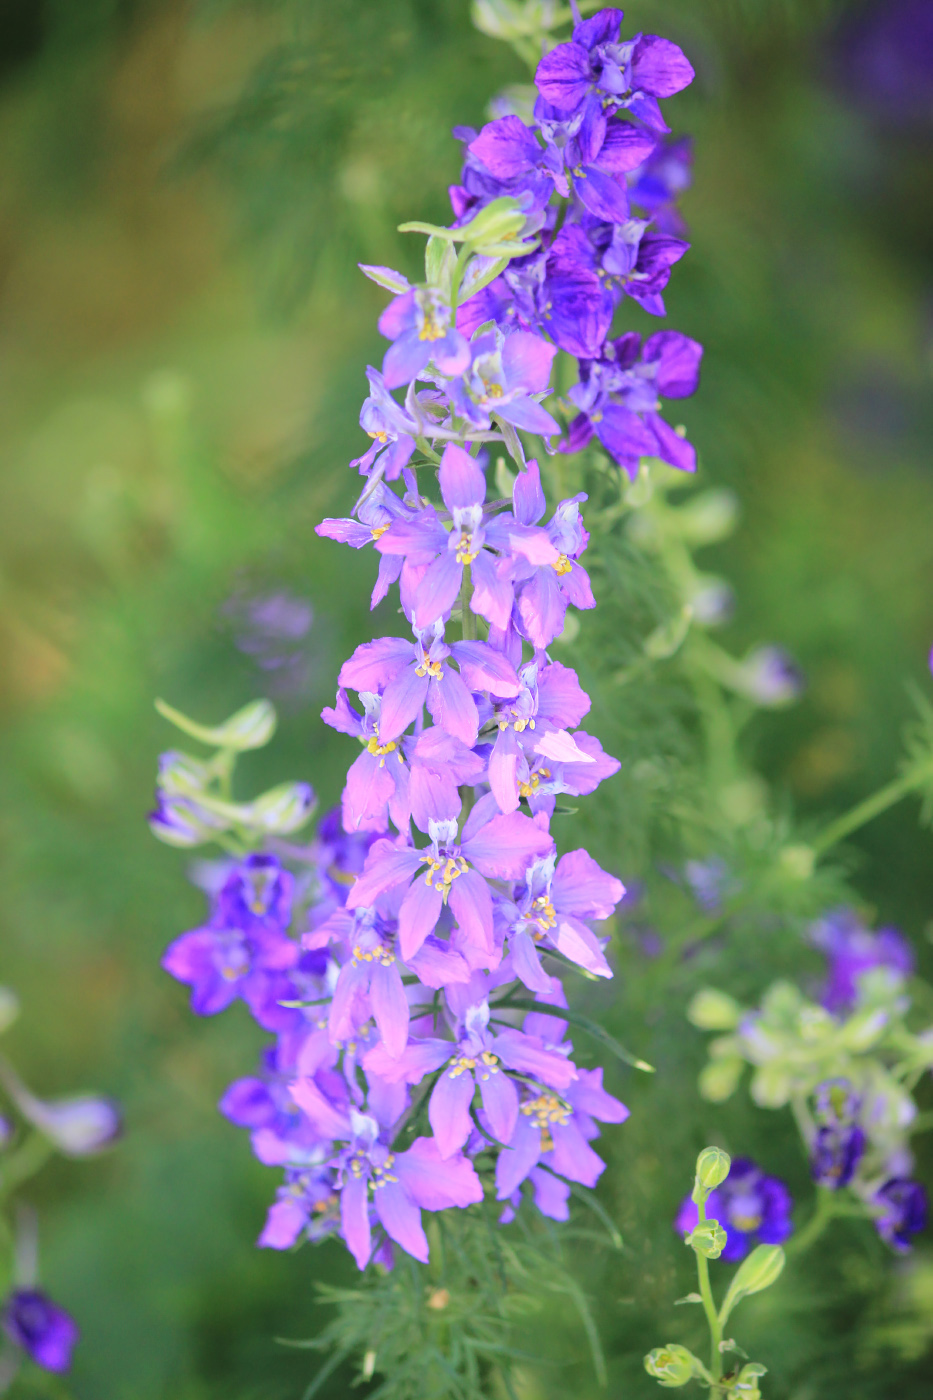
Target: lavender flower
[(853, 950)]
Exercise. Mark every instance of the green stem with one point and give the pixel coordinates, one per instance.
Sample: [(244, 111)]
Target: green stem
[(822, 1215), (872, 807), (467, 618), (709, 1307), (24, 1163)]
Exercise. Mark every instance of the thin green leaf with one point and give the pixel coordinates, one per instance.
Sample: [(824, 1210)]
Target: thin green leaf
[(575, 1018)]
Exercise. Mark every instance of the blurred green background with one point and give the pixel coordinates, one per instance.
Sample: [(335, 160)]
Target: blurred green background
[(184, 192)]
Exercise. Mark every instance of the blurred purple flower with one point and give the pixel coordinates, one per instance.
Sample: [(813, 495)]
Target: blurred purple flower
[(902, 1212), (852, 950), (41, 1328), (751, 1207)]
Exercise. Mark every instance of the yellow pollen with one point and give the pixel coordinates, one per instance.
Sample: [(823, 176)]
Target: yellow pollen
[(562, 565), (441, 874), (378, 531), (466, 555), (543, 912), (380, 955), (493, 390), (429, 668), (460, 1064), (543, 1111), (374, 747), (431, 330), (746, 1223), (382, 437), (531, 787)]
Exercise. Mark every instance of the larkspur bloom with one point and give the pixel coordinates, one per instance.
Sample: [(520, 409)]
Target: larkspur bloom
[(853, 950), (901, 1212), (596, 69), (377, 962), (839, 1145), (752, 1207), (40, 1328), (619, 397)]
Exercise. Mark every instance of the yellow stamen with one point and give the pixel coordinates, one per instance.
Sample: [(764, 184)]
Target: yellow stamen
[(562, 565)]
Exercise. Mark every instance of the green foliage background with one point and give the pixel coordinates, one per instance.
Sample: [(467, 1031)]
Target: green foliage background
[(186, 191)]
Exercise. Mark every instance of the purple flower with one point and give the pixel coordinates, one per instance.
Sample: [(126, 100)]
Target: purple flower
[(902, 1212), (751, 1207), (543, 590), (630, 259), (392, 429), (618, 395), (418, 324), (505, 373), (437, 558), (836, 1153), (552, 910), (375, 513), (41, 1328), (595, 65), (306, 1205), (243, 951), (410, 675), (490, 847), (655, 186), (852, 951), (479, 1060), (401, 1183), (370, 982), (377, 783), (555, 1130)]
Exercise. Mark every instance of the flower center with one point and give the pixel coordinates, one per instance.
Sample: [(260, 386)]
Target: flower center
[(543, 913), (562, 565), (531, 787), (377, 531), (376, 749), (442, 871), (465, 551), (429, 668), (746, 1223), (431, 329), (543, 1111), (380, 954), (382, 437), (383, 1175)]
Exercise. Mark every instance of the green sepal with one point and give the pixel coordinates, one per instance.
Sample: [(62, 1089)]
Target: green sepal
[(249, 728), (762, 1268)]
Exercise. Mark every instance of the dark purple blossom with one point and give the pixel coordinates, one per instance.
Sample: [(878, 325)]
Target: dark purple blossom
[(543, 590), (901, 1212), (43, 1330), (619, 398), (596, 69), (655, 187), (752, 1208), (836, 1153)]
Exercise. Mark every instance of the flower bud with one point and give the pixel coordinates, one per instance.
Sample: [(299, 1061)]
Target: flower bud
[(671, 1365), (712, 1169), (745, 1386), (762, 1268), (79, 1126), (713, 1011), (502, 219), (719, 1079), (708, 1238), (708, 518), (9, 1008), (282, 809), (249, 728)]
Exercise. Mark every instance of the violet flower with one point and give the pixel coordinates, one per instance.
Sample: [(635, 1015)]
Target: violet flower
[(392, 429), (40, 1328), (854, 950), (419, 325), (505, 374), (553, 908), (543, 590), (902, 1212), (490, 847), (596, 68), (618, 395)]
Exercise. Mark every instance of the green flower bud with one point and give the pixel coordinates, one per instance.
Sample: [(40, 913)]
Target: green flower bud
[(707, 518), (745, 1385), (713, 1011), (708, 1238), (502, 219), (712, 1169), (9, 1008), (762, 1268), (719, 1079), (671, 1365), (249, 728)]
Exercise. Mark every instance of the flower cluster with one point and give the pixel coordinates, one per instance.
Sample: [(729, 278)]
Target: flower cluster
[(845, 1064), (79, 1126), (407, 960)]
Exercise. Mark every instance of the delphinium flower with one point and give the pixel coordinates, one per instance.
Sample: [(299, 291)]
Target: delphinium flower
[(752, 1207), (396, 972), (839, 1143), (901, 1212), (37, 1328), (853, 950)]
